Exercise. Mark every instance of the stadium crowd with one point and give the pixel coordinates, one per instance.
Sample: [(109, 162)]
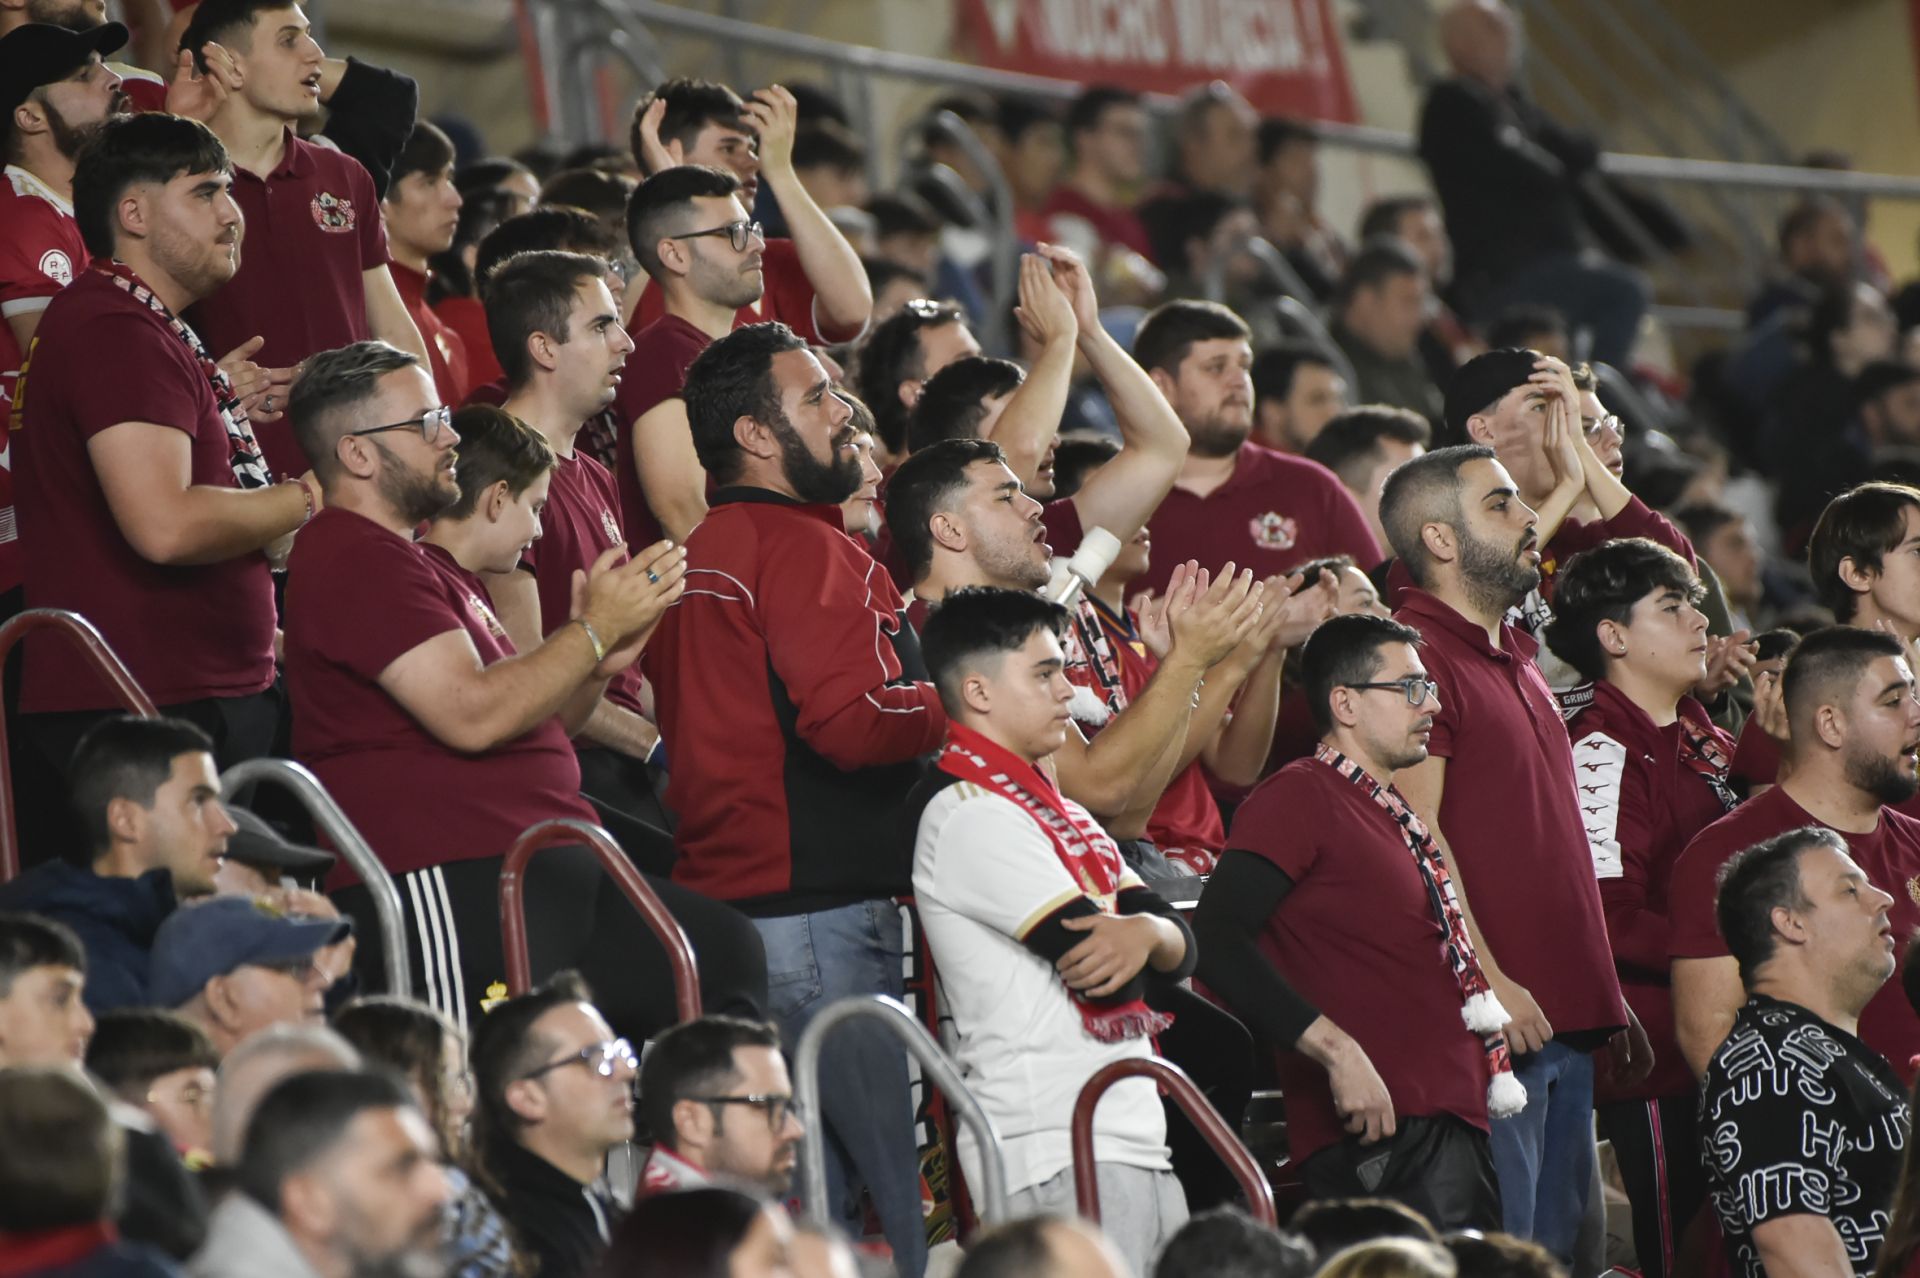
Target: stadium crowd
[(1430, 711)]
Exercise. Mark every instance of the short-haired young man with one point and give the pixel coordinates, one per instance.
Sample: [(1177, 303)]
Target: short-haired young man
[(1498, 793), (1864, 557), (1091, 211), (144, 503), (1379, 312), (719, 1104), (553, 1094), (814, 282), (1235, 499), (1042, 933), (43, 969), (898, 355), (1848, 767), (1804, 1126), (1392, 1038), (1725, 541), (1362, 446), (787, 786), (1296, 392), (149, 799), (1652, 769), (421, 211), (314, 275), (549, 227)]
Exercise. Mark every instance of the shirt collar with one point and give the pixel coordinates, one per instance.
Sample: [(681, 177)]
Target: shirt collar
[(296, 160), (749, 494), (26, 182), (1514, 643)]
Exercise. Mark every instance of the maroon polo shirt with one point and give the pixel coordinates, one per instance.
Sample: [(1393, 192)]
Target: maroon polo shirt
[(656, 371), (446, 349), (1276, 512), (1890, 855), (1511, 814), (186, 632), (313, 227), (1387, 983), (358, 598), (787, 296)]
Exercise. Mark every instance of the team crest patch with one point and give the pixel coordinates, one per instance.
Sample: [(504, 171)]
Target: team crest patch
[(1913, 889), (612, 525), (331, 213), (57, 266), (1274, 532), (480, 610)]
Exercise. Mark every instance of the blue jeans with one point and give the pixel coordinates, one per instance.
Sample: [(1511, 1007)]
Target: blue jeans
[(1601, 296), (1544, 1154), (817, 959)]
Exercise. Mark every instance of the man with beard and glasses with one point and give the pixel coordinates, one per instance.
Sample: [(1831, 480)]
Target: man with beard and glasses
[(1235, 499), (339, 1175), (794, 736), (1851, 759), (1498, 794), (442, 742)]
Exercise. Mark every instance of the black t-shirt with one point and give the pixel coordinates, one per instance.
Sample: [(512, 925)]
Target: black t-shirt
[(1799, 1117)]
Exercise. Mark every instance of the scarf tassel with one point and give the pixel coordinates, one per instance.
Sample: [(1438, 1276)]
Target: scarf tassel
[(1130, 1020), (1506, 1095), (1483, 1013)]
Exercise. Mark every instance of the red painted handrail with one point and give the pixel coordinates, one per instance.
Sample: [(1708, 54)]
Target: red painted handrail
[(1213, 1129), (112, 670), (570, 833)]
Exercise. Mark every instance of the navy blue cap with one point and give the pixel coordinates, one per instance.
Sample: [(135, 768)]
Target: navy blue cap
[(199, 942)]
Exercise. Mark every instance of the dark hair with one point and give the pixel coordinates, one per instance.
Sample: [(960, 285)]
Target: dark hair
[(1017, 115), (733, 378), (1806, 214), (302, 1118), (690, 1233), (828, 144), (953, 402), (817, 104), (331, 383), (1701, 520), (1343, 651), (1495, 1255), (1334, 1224), (661, 205), (1169, 331), (1174, 221), (28, 941), (427, 150), (549, 227), (1276, 133), (1377, 262), (1077, 457), (1778, 642), (1521, 324), (891, 355), (127, 757), (902, 213), (1878, 378), (132, 1046), (1011, 1249), (1275, 366), (220, 21), (504, 1048), (1828, 665), (130, 150), (1383, 216), (495, 447), (480, 213), (407, 1038), (694, 1059), (1861, 524), (974, 111), (691, 106), (921, 488), (1830, 314), (60, 1150), (1603, 584), (979, 622), (489, 174), (1425, 491), (1084, 112), (1351, 440), (1757, 881), (599, 192), (532, 293), (882, 272), (1228, 1243)]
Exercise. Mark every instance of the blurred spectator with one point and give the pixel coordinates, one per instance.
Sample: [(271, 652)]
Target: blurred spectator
[(259, 860), (831, 162), (1091, 211), (453, 284), (162, 1065), (1032, 150), (1362, 446), (1819, 252), (1445, 342), (1509, 179), (1529, 326), (1725, 540), (1227, 1243), (497, 173), (893, 287), (422, 213), (898, 357), (1287, 195), (235, 965), (1332, 1225), (1213, 143), (1494, 1255), (861, 512), (1379, 311), (43, 1020), (1823, 455), (907, 233), (1391, 1258), (339, 1174), (706, 1232), (604, 195), (1042, 1247), (1296, 392), (1201, 239), (252, 1069), (554, 1093), (719, 1105), (981, 118)]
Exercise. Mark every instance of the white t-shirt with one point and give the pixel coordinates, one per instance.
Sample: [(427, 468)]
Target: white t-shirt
[(984, 874)]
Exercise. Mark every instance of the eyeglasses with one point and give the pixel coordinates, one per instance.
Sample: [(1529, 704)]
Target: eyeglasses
[(192, 1095), (1413, 688), (776, 1108), (428, 424), (603, 1059), (739, 234), (1592, 426), (925, 309)]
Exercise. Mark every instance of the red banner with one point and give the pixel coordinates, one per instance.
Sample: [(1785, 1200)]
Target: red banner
[(1284, 55)]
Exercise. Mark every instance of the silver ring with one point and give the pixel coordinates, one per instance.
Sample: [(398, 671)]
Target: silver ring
[(269, 404), (653, 576)]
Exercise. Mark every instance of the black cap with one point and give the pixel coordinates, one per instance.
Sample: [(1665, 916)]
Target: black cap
[(259, 845), (41, 53), (1482, 382)]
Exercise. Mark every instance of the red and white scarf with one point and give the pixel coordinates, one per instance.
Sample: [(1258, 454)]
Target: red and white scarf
[(1480, 1009), (249, 468), (1088, 853)]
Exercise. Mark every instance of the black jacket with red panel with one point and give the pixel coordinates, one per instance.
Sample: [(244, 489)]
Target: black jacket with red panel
[(792, 736)]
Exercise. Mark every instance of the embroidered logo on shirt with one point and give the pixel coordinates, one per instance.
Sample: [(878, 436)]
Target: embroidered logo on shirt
[(1913, 888), (57, 266), (612, 525), (1273, 532), (485, 614), (331, 213)]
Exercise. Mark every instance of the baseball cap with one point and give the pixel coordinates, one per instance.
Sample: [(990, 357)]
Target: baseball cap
[(199, 942), (40, 53), (1482, 382), (258, 844)]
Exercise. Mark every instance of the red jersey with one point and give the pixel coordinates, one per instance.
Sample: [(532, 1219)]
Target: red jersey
[(655, 372), (467, 317), (1109, 224), (446, 349), (358, 598), (787, 296)]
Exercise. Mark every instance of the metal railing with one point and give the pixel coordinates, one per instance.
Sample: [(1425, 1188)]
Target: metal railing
[(940, 1071), (354, 850), (112, 671), (1213, 1129), (566, 832)]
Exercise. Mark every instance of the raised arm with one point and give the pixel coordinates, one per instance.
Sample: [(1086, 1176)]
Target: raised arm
[(1030, 422), (671, 477), (842, 298)]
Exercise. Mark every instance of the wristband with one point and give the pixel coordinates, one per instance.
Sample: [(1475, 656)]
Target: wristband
[(306, 493), (593, 637)]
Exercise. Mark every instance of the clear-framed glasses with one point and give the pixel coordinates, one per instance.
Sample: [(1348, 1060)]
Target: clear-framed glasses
[(1592, 426), (429, 424), (776, 1108), (739, 234), (603, 1059), (1415, 689)]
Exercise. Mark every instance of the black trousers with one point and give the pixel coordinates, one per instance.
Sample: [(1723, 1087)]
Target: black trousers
[(1214, 1048), (1657, 1144), (1440, 1166)]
